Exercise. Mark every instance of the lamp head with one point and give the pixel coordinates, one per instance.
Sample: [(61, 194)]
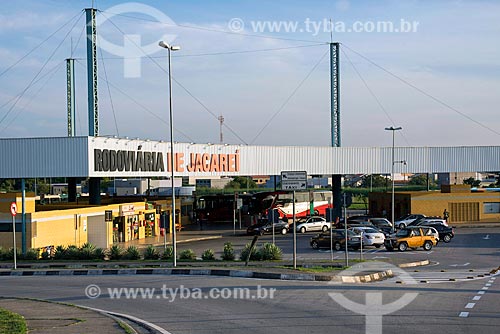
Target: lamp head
[(168, 46)]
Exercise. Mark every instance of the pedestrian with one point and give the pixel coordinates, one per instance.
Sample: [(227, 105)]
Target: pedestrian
[(446, 214)]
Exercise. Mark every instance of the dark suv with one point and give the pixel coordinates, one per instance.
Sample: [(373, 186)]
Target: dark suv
[(323, 240)]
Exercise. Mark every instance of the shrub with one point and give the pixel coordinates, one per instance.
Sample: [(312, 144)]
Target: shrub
[(132, 253), (228, 253), (254, 256), (168, 253), (208, 255), (151, 253), (72, 253), (100, 254), (60, 253), (31, 254), (187, 254), (115, 252), (270, 251), (87, 252)]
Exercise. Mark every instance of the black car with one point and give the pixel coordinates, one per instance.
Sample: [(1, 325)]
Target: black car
[(266, 227), (323, 240), (446, 233)]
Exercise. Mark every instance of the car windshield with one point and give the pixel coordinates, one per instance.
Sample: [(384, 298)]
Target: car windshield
[(370, 230), (403, 233)]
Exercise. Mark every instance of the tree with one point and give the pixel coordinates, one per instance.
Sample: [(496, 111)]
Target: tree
[(375, 181), (472, 181), (420, 180), (241, 182)]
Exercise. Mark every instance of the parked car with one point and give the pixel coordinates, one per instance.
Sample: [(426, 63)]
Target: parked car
[(338, 242), (266, 227), (311, 224), (446, 233), (428, 222), (382, 224), (411, 237), (431, 231), (403, 222), (370, 236)]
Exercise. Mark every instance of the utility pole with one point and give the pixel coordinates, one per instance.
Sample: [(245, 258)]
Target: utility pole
[(335, 122), (221, 121)]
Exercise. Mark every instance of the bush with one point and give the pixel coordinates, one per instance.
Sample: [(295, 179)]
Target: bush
[(132, 253), (115, 252), (151, 253), (168, 253), (31, 255), (270, 251), (208, 255), (60, 253), (254, 256), (100, 254), (87, 252), (228, 253), (72, 253), (187, 254)]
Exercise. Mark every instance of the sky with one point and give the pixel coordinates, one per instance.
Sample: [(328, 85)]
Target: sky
[(263, 66)]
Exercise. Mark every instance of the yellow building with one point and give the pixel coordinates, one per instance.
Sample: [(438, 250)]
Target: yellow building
[(68, 224), (462, 204)]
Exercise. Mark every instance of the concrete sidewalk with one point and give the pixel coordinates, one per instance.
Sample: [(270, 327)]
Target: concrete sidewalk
[(53, 318)]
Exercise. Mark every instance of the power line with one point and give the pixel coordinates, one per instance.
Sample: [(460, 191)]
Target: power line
[(221, 52), (213, 29), (37, 46), (373, 95), (41, 69), (129, 96), (435, 99), (289, 97), (178, 83)]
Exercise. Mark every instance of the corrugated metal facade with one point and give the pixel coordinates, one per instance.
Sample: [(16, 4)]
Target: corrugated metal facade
[(74, 157)]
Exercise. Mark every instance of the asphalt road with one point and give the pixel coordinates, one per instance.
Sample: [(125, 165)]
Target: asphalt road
[(296, 307)]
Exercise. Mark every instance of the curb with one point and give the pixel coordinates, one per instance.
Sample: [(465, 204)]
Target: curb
[(206, 272), (414, 264)]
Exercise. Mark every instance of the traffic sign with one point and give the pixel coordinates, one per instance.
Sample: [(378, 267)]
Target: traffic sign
[(13, 208), (293, 176), (293, 180)]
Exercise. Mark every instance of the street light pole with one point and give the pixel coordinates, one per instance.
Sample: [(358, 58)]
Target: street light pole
[(171, 162), (393, 129)]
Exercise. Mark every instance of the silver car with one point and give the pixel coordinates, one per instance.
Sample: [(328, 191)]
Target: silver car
[(311, 224)]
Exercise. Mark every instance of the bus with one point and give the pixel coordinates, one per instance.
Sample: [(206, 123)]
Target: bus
[(220, 207)]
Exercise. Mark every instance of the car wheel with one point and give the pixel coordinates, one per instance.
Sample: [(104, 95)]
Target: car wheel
[(427, 245), (302, 230), (377, 246), (337, 246), (314, 245), (283, 231), (403, 246), (402, 226), (325, 228), (447, 238)]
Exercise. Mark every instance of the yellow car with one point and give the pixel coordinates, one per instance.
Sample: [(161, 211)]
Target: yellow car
[(411, 237)]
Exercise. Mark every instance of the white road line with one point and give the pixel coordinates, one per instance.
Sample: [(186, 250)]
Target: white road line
[(470, 305), (463, 314), (481, 292), (476, 298), (484, 288), (487, 284)]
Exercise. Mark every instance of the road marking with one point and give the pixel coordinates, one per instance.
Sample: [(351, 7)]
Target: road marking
[(463, 314), (491, 281), (484, 288), (481, 292), (476, 298), (487, 284), (459, 265), (470, 305), (487, 237)]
